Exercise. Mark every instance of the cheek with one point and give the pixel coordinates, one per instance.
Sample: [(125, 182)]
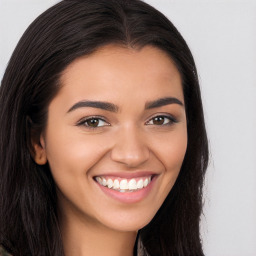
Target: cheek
[(71, 153), (175, 153), (71, 156), (171, 149)]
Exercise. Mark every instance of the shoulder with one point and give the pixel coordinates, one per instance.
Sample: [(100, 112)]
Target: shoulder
[(3, 252)]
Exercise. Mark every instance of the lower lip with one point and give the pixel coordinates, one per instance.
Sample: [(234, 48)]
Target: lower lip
[(128, 197)]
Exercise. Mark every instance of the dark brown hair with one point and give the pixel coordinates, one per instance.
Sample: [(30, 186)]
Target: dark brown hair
[(66, 31)]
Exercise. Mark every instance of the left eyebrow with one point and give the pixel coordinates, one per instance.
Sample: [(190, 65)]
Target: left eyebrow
[(94, 104), (163, 102)]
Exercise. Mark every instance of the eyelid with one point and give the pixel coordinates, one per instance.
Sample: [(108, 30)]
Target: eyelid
[(165, 115), (87, 118), (83, 120)]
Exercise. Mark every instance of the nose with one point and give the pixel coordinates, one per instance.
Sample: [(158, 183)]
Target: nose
[(130, 148)]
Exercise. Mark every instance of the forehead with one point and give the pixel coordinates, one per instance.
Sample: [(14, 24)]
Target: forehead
[(122, 72), (148, 57)]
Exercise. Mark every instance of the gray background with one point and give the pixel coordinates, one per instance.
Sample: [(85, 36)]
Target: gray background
[(222, 37)]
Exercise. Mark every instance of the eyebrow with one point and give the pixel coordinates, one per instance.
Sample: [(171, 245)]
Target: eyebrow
[(94, 104), (114, 108), (162, 102)]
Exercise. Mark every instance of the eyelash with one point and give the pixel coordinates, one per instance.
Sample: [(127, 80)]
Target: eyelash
[(171, 119), (84, 121)]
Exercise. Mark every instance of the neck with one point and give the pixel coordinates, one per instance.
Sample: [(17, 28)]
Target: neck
[(83, 238)]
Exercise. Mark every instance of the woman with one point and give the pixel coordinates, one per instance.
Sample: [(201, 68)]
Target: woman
[(103, 143)]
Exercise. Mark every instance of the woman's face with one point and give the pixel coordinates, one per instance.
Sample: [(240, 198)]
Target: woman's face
[(116, 136)]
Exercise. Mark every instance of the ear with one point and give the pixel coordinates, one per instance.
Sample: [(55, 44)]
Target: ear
[(39, 151)]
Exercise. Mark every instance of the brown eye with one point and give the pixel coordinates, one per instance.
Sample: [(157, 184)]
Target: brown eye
[(162, 120), (93, 122), (159, 120)]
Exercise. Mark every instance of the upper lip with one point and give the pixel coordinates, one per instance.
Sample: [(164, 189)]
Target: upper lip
[(128, 174)]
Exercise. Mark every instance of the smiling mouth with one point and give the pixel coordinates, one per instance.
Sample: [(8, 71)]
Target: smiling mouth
[(124, 185)]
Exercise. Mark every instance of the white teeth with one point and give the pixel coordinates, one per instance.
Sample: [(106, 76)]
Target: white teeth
[(132, 185), (145, 183), (116, 184), (124, 185), (140, 184), (110, 183), (104, 182), (99, 180)]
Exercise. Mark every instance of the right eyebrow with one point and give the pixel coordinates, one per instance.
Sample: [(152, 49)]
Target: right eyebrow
[(94, 104), (162, 102)]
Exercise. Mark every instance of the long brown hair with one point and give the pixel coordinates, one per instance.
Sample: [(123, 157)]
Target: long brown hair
[(70, 29)]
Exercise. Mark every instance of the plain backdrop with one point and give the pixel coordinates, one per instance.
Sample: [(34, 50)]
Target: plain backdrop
[(222, 37)]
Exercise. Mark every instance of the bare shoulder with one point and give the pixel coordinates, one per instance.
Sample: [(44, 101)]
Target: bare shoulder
[(3, 252)]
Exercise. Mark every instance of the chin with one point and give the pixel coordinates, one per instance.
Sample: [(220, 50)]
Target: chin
[(128, 222)]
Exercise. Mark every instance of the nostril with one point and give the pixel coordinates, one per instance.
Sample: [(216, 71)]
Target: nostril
[(130, 148), (130, 159)]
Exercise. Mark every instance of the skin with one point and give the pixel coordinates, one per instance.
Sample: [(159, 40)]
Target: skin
[(129, 140)]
